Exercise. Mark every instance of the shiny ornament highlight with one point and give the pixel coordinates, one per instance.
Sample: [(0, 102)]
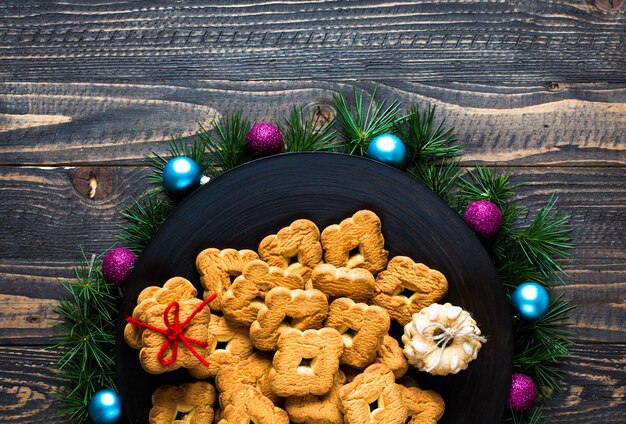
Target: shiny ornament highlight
[(181, 176), (522, 394), (484, 217), (530, 300), (389, 149), (105, 407), (264, 139), (117, 265)]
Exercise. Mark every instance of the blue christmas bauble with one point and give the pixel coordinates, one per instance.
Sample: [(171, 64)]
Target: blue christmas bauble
[(181, 176), (389, 149), (530, 300), (105, 407)]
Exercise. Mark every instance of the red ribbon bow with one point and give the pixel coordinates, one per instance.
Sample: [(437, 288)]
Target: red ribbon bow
[(174, 332)]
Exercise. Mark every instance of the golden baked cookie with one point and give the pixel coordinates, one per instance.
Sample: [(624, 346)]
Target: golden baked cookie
[(357, 242), (373, 397), (424, 406), (156, 361), (253, 371), (300, 309), (231, 345), (406, 287), (245, 297), (362, 329), (188, 403), (174, 289), (325, 409), (218, 268), (390, 354), (442, 339), (355, 283), (305, 362), (296, 248), (247, 404)]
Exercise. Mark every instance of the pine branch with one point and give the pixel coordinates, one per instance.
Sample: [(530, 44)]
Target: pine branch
[(440, 177), (545, 240), (144, 218), (87, 342), (534, 416), (485, 184), (423, 140), (226, 146), (307, 135), (359, 126), (541, 344)]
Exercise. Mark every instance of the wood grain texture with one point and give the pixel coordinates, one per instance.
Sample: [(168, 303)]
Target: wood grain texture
[(75, 123), (516, 41), (46, 219), (593, 387)]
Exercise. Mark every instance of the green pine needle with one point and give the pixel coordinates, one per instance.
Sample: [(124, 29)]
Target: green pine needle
[(359, 126), (534, 416), (545, 240), (440, 177), (541, 345), (177, 148), (144, 218), (87, 342), (485, 184), (423, 140), (307, 135), (226, 145)]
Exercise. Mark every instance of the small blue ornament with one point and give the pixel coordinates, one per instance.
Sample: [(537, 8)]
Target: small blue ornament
[(389, 149), (105, 407), (181, 176), (530, 301)]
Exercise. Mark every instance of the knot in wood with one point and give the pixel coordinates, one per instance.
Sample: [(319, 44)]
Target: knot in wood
[(93, 182), (609, 5), (321, 113)]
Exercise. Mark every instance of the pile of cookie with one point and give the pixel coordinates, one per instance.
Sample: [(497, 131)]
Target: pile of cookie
[(298, 331)]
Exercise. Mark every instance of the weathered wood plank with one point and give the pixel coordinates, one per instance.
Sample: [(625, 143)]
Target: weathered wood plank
[(27, 385), (593, 386), (46, 218), (61, 124), (431, 40)]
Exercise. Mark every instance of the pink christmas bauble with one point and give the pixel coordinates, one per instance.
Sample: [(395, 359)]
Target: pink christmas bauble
[(117, 265), (523, 393), (484, 217), (264, 139)]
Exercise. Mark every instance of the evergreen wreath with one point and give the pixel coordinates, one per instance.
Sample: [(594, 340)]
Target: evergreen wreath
[(523, 250)]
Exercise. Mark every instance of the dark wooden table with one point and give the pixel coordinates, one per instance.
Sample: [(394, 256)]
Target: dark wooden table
[(89, 88)]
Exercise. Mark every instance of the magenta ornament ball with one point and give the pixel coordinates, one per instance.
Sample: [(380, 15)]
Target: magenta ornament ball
[(523, 393), (264, 139), (117, 265), (484, 217)]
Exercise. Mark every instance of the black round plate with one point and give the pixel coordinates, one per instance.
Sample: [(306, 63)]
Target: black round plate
[(240, 207)]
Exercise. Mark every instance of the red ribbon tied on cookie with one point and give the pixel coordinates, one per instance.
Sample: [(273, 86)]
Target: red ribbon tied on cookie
[(174, 332)]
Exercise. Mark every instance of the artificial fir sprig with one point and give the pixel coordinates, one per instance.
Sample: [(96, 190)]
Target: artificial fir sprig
[(485, 184), (534, 416), (440, 176), (359, 125), (545, 240), (225, 146), (424, 141), (144, 217), (307, 134), (87, 341), (541, 344)]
